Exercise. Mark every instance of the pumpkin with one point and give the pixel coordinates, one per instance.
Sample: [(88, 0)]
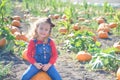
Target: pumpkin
[(100, 20), (14, 29), (3, 42), (17, 35), (118, 74), (24, 38), (41, 76), (16, 23), (56, 16), (76, 26), (83, 56), (102, 34), (103, 27), (81, 19), (63, 30), (94, 38), (64, 16), (50, 16), (112, 25), (16, 18), (24, 54), (20, 36)]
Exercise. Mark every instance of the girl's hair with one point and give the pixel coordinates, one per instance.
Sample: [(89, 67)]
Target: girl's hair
[(38, 23)]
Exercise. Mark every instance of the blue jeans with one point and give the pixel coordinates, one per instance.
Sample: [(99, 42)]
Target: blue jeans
[(32, 70)]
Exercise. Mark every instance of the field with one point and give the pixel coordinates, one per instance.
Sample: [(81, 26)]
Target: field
[(76, 25)]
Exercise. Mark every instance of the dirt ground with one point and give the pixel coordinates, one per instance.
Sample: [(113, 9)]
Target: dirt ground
[(68, 68)]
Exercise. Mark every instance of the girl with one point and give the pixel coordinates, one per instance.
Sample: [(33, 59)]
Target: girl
[(42, 53)]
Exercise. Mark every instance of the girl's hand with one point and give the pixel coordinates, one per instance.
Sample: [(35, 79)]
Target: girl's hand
[(38, 65), (46, 67)]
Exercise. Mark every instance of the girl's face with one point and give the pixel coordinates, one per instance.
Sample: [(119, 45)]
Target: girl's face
[(43, 30)]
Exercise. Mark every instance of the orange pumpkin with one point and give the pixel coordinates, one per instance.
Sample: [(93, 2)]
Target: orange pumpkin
[(24, 54), (83, 56), (56, 16), (100, 20), (17, 35), (94, 38), (118, 74), (63, 30), (20, 36), (76, 26), (112, 25), (103, 27), (64, 16), (41, 76), (16, 18), (16, 23), (81, 19), (102, 34), (3, 42), (14, 29)]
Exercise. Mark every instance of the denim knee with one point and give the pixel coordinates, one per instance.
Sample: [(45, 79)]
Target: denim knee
[(25, 77)]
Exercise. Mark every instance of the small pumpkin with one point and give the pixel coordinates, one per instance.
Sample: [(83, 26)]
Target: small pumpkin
[(56, 16), (41, 76), (112, 25), (81, 19), (16, 18), (14, 29), (3, 42), (118, 74), (64, 16), (20, 36), (16, 23), (17, 35), (94, 38), (100, 20), (24, 54), (83, 56), (63, 30), (76, 26), (102, 34)]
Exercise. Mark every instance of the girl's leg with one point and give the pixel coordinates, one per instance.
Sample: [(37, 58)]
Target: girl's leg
[(52, 72), (30, 72)]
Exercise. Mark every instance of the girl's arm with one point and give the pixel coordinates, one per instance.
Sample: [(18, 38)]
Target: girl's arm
[(54, 53), (31, 52)]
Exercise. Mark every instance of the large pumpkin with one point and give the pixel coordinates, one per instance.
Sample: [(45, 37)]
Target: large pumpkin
[(3, 42), (83, 56), (118, 74), (102, 34), (41, 76)]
